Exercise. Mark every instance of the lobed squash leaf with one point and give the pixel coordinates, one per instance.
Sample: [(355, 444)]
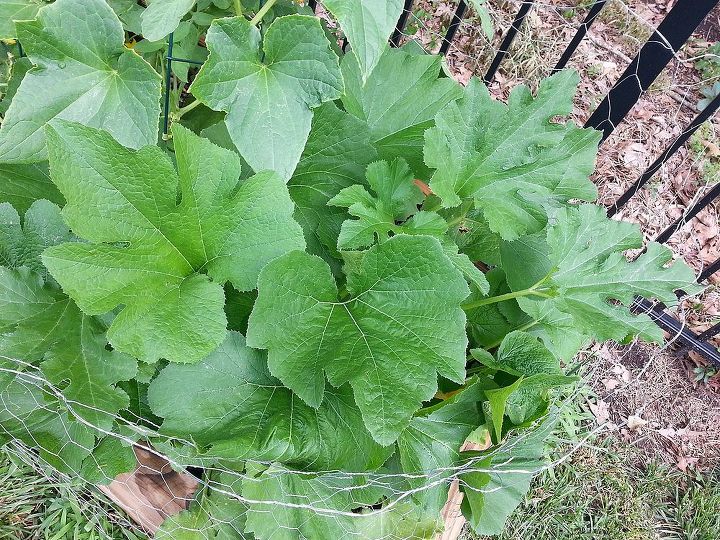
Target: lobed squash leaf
[(511, 159), (399, 325), (269, 90), (83, 73), (165, 262)]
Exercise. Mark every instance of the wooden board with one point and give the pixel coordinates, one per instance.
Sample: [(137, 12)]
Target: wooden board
[(152, 492), (452, 515)]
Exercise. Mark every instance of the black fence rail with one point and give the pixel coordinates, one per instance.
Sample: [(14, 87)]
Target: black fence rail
[(672, 33)]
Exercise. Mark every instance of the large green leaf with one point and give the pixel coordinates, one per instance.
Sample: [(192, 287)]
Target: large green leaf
[(35, 317), (269, 92), (38, 322), (19, 69), (556, 329), (287, 505), (84, 74), (232, 405), (146, 251), (21, 185), (16, 10), (21, 245), (399, 102), (368, 25), (398, 328), (336, 154), (429, 447), (498, 479), (163, 16), (595, 283), (512, 160), (92, 372), (31, 414)]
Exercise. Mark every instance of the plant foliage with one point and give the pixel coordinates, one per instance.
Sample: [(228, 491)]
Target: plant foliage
[(338, 283)]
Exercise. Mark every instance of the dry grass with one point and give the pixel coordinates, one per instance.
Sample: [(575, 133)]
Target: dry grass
[(647, 397)]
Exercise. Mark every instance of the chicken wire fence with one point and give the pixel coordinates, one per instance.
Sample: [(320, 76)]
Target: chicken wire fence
[(170, 475), (641, 86)]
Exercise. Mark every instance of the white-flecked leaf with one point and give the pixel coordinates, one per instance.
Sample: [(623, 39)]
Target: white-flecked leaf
[(269, 90), (83, 73)]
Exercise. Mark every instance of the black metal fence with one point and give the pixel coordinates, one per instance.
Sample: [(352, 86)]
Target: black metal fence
[(672, 33)]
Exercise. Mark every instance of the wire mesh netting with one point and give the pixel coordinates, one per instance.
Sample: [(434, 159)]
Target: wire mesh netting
[(156, 495), (182, 488)]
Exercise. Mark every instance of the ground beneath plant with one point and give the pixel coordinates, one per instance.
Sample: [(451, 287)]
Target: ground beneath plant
[(646, 396)]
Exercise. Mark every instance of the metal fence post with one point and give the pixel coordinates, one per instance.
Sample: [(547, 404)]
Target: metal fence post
[(168, 77), (670, 35)]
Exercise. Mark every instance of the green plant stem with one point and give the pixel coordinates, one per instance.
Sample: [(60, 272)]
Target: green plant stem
[(187, 108), (503, 297), (238, 7), (535, 290), (263, 10)]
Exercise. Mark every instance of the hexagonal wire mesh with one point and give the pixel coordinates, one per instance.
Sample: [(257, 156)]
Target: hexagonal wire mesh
[(639, 88)]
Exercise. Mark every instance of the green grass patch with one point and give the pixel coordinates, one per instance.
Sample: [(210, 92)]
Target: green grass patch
[(34, 507), (605, 493)]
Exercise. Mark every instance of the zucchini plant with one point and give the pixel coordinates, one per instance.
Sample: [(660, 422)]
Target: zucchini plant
[(340, 282)]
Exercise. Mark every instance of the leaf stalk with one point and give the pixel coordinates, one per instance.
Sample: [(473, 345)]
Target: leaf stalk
[(535, 290), (186, 109), (261, 13)]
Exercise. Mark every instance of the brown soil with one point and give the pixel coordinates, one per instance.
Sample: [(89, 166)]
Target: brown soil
[(646, 397)]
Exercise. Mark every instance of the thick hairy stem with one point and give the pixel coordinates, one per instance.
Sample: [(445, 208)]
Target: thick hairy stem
[(535, 290), (238, 7), (186, 109), (263, 10)]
